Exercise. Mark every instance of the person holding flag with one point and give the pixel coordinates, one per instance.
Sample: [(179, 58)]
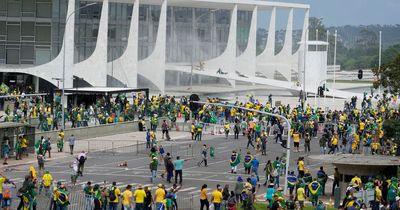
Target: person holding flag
[(292, 182), (247, 162), (235, 160), (315, 188)]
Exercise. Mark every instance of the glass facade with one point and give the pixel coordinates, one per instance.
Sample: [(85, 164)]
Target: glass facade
[(31, 31), (26, 30)]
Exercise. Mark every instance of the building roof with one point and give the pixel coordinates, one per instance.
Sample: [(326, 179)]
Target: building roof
[(222, 4), (357, 159), (102, 90), (10, 125)]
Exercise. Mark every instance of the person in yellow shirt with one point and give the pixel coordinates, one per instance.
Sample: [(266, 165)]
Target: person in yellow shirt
[(216, 197), (113, 194), (301, 196), (139, 196), (300, 164), (357, 182), (192, 130), (127, 198), (47, 182), (24, 146), (159, 196), (296, 140), (204, 197), (2, 180), (378, 198), (334, 144)]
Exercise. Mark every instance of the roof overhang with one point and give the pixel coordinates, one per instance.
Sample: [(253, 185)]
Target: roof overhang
[(221, 4)]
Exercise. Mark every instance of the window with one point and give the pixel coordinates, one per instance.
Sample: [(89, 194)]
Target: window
[(28, 6), (27, 52), (14, 8), (43, 33), (43, 10), (13, 33), (12, 56), (2, 52), (3, 28), (27, 28)]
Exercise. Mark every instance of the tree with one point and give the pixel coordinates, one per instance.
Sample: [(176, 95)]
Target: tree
[(389, 76)]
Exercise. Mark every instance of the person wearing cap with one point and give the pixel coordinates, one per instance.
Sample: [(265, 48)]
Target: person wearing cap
[(139, 196), (127, 198), (153, 169), (159, 196), (216, 197), (113, 194)]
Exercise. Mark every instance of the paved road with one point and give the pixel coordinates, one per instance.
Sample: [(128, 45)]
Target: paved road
[(102, 166)]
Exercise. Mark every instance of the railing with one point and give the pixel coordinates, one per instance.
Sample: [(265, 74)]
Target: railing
[(79, 201)]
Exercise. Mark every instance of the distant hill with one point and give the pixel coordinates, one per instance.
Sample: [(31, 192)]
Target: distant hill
[(350, 35)]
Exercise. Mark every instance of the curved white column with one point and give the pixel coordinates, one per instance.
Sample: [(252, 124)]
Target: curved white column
[(267, 56), (246, 62), (227, 60), (267, 62), (153, 67), (94, 69), (125, 68), (53, 69)]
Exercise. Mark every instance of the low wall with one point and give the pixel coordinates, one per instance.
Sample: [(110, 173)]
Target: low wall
[(92, 131)]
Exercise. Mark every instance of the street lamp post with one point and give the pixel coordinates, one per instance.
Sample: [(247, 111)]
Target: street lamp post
[(63, 72)]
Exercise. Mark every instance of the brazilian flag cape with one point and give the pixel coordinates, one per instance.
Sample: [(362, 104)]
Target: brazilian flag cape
[(247, 161), (292, 180), (314, 187), (235, 160)]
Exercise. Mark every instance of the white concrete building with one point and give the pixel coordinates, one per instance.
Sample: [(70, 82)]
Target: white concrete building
[(154, 43)]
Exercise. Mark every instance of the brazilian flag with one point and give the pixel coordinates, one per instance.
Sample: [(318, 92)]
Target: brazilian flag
[(235, 160), (247, 161)]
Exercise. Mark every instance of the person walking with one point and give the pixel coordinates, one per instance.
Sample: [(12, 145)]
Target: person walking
[(153, 169), (165, 130), (204, 156), (81, 162), (62, 198), (71, 142), (204, 197), (169, 166)]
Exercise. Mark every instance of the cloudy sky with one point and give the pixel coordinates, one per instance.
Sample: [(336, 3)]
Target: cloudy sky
[(354, 12)]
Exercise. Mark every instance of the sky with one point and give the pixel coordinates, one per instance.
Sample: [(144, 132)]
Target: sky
[(352, 12)]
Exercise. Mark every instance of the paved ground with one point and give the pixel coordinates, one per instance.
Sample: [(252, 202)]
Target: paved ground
[(103, 166)]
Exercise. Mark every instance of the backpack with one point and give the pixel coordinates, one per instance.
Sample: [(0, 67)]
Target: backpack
[(6, 193), (81, 159), (112, 194)]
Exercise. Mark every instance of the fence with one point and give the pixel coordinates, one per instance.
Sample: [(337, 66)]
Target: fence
[(79, 201)]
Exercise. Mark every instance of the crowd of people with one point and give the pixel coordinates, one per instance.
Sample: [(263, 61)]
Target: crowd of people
[(351, 130)]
